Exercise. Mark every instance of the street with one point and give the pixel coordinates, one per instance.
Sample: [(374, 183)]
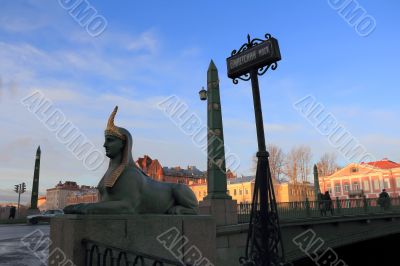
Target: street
[(13, 252)]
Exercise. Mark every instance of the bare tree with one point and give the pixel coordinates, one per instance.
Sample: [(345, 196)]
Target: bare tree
[(276, 162), (327, 164), (298, 164)]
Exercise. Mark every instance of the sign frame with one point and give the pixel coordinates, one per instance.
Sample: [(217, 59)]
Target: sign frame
[(253, 56)]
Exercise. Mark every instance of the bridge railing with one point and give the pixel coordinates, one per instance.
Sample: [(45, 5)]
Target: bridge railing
[(99, 254), (325, 208)]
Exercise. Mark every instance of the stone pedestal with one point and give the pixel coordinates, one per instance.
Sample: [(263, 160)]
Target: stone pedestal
[(223, 210), (173, 237)]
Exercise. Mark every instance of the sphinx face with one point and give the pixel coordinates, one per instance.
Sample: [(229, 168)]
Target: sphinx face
[(113, 145)]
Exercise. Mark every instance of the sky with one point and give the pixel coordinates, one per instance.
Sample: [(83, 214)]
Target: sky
[(150, 51)]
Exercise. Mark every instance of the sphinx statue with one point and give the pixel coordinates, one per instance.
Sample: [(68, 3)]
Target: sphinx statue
[(126, 189)]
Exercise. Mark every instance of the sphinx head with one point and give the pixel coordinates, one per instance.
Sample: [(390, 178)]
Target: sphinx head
[(114, 146), (118, 140)]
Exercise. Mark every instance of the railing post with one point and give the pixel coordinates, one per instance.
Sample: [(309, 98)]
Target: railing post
[(338, 207), (308, 212)]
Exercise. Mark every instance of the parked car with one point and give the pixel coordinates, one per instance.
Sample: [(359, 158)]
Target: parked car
[(43, 217)]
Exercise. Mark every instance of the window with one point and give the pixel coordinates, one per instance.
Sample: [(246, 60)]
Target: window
[(346, 187), (337, 188), (356, 186), (376, 184), (386, 183), (234, 192), (204, 193), (354, 170), (366, 185), (240, 192), (199, 193), (247, 191), (330, 190), (398, 182)]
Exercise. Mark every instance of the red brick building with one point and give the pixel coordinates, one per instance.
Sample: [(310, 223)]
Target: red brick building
[(151, 167), (188, 176), (356, 180)]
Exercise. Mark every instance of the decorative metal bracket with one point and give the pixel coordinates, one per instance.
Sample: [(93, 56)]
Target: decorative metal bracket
[(251, 43)]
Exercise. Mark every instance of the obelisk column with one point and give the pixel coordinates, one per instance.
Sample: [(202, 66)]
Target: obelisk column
[(35, 184), (216, 171), (316, 183), (217, 202)]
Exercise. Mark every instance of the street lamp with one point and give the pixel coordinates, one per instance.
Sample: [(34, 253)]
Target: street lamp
[(203, 94)]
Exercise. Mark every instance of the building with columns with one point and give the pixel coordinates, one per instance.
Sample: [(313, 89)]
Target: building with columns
[(363, 179)]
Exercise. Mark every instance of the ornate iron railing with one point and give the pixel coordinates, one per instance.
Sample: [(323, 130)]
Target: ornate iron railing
[(98, 254), (338, 207)]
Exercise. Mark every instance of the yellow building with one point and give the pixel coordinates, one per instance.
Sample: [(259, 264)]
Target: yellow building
[(290, 192), (241, 189)]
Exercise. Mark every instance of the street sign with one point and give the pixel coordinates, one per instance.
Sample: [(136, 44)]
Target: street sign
[(264, 244), (259, 55)]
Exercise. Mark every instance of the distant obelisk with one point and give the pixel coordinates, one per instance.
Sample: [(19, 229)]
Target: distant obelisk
[(316, 182), (35, 184)]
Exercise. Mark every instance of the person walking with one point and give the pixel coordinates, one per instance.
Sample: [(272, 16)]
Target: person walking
[(384, 199), (321, 204), (328, 202), (12, 212)]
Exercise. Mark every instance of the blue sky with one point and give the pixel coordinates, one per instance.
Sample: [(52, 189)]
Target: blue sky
[(151, 50)]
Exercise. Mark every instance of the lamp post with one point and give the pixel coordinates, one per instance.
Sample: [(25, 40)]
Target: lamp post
[(264, 245)]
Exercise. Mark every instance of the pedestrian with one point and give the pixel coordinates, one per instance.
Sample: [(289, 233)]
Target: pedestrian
[(384, 199), (328, 202), (12, 212), (321, 204)]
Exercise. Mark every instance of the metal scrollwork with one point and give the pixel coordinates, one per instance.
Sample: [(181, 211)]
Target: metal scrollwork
[(97, 252), (251, 43), (245, 77), (261, 71)]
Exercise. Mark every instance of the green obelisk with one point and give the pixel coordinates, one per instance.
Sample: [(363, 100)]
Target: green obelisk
[(316, 183), (216, 171), (35, 184)]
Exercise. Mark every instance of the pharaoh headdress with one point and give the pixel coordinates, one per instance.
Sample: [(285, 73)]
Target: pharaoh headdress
[(123, 134), (111, 128)]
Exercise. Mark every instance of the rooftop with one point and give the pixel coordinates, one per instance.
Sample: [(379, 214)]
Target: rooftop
[(385, 163), (241, 179)]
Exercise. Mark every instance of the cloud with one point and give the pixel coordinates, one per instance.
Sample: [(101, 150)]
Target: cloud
[(23, 16), (146, 41), (9, 196)]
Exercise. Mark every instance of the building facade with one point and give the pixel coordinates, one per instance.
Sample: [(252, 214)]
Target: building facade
[(294, 191), (241, 189), (86, 194), (153, 168), (363, 179), (65, 193)]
